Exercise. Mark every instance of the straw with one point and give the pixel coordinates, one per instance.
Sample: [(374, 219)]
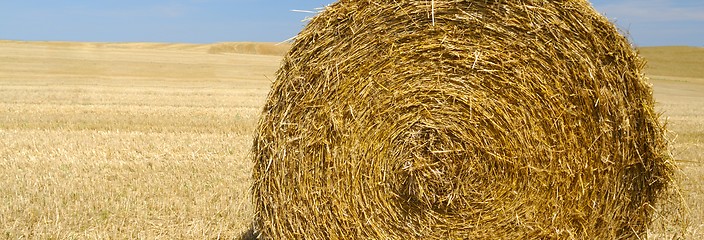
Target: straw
[(512, 119)]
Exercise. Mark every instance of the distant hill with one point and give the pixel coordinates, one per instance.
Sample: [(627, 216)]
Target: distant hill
[(256, 48), (676, 61), (673, 61), (249, 48), (86, 63)]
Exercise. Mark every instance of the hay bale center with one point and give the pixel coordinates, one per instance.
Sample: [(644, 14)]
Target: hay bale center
[(424, 119)]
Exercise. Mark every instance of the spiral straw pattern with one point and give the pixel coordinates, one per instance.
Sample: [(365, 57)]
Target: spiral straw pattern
[(480, 119)]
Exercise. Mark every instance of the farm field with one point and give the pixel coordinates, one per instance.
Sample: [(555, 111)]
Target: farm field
[(151, 140)]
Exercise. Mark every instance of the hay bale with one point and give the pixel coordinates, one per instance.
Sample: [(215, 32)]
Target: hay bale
[(459, 119)]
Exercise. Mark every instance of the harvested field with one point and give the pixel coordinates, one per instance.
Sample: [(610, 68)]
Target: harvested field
[(133, 140), (93, 144)]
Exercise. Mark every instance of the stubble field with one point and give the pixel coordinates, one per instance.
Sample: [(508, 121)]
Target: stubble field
[(146, 140)]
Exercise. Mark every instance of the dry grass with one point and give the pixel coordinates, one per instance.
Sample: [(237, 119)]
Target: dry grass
[(94, 145), (66, 184), (459, 119)]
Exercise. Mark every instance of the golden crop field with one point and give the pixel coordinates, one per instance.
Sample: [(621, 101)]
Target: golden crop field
[(147, 140)]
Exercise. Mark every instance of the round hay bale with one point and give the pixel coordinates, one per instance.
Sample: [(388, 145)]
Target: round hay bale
[(459, 119)]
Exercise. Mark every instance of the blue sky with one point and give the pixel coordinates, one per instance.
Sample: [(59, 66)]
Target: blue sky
[(648, 22)]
